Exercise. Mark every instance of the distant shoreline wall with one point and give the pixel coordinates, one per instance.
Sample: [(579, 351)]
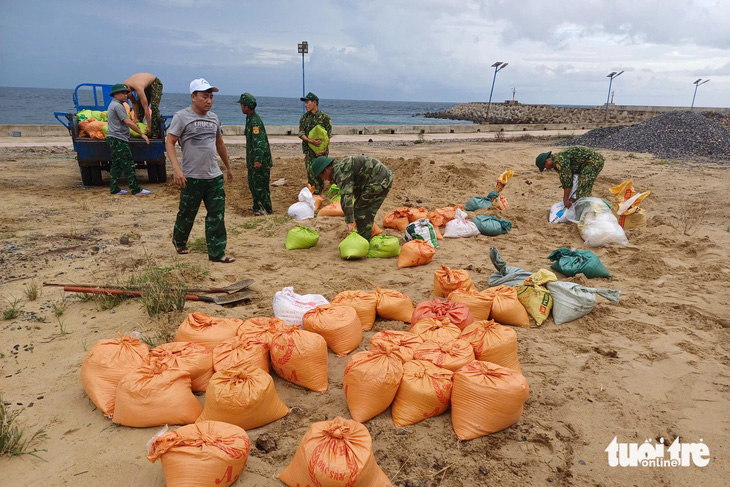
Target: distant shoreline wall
[(517, 113)]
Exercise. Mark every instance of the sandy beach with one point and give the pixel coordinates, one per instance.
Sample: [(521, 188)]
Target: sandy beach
[(655, 365)]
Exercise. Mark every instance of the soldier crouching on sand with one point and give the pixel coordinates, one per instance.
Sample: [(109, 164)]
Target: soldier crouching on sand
[(364, 183)]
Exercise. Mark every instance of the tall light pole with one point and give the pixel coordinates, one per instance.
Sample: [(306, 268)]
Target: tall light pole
[(303, 49), (497, 67), (697, 84), (612, 75)]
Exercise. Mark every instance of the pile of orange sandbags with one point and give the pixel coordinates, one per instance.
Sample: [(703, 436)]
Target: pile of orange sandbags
[(337, 453), (104, 366), (397, 219), (479, 303), (457, 313), (506, 308), (263, 329), (415, 253), (424, 392), (493, 342), (393, 305), (244, 397), (405, 341), (448, 354), (188, 356), (446, 280), (155, 395), (371, 381), (205, 453), (364, 303), (208, 330), (433, 329), (486, 398), (300, 357), (241, 352), (338, 324)]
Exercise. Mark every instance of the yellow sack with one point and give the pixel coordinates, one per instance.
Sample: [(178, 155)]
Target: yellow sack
[(503, 178), (626, 205), (536, 299)]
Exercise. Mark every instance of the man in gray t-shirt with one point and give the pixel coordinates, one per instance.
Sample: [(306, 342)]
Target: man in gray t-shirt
[(199, 178), (117, 136)]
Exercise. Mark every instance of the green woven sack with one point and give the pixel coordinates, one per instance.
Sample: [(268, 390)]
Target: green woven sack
[(491, 225), (142, 126), (354, 246), (572, 262), (319, 132), (334, 193), (301, 237), (384, 246), (84, 115)]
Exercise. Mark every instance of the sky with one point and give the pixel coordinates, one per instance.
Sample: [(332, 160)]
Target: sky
[(558, 52)]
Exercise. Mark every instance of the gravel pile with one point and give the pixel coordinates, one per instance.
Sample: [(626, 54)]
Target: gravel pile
[(672, 135)]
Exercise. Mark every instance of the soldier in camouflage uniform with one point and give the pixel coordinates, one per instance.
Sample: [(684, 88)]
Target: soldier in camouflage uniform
[(258, 156), (580, 160), (364, 183), (309, 120), (199, 178)]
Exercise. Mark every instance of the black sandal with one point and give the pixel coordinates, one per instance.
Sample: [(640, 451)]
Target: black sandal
[(226, 260), (183, 250)]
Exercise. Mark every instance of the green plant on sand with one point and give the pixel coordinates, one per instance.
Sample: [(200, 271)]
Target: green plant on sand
[(13, 439)]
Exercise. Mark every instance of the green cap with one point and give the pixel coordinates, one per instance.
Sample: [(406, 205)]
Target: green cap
[(320, 163), (118, 88), (310, 97), (540, 161), (248, 100)]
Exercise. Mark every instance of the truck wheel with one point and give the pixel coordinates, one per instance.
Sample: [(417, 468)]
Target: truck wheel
[(95, 176), (85, 175), (162, 172), (152, 172)]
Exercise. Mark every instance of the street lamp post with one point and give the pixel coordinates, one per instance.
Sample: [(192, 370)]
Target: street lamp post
[(697, 84), (303, 49), (497, 67), (612, 75)]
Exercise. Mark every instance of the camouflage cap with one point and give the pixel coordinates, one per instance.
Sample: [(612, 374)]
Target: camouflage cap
[(310, 97), (320, 164), (248, 100), (118, 88)]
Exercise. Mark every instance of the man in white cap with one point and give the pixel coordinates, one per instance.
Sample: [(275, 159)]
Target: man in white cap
[(199, 178)]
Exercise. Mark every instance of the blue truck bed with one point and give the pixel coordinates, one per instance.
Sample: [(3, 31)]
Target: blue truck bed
[(93, 154)]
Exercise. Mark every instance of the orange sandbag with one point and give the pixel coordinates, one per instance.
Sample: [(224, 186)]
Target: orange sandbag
[(371, 381), (188, 356), (106, 363), (155, 395), (376, 229), (241, 352), (364, 303), (456, 313), (506, 308), (397, 219), (263, 329), (208, 330), (244, 397), (424, 392), (433, 329), (494, 343), (448, 213), (414, 253), (437, 232), (405, 341), (92, 128), (436, 219), (446, 280), (337, 453), (417, 213), (486, 398), (479, 303), (338, 324), (300, 357), (205, 453), (333, 209), (393, 305), (318, 200), (451, 355)]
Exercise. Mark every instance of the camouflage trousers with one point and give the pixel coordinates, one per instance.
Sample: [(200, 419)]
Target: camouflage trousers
[(258, 183), (315, 181), (211, 193), (154, 94), (122, 162), (367, 204)]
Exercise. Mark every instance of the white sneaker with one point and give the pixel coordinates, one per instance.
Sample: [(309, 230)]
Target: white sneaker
[(144, 191), (122, 191)]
